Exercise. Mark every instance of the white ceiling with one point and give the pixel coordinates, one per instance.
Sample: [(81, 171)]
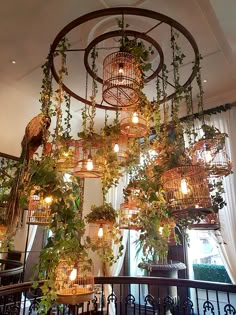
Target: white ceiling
[(29, 27)]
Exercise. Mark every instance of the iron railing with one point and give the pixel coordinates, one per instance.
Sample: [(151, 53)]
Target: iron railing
[(131, 295)]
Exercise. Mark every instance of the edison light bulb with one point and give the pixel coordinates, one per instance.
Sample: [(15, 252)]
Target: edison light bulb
[(48, 199), (73, 274), (121, 69), (135, 118), (89, 165), (184, 186), (66, 153), (116, 148), (100, 232)]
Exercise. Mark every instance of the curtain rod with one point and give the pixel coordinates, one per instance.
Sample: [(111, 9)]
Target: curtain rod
[(210, 111)]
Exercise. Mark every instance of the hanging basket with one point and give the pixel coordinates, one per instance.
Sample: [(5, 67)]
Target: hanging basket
[(128, 216), (212, 154), (39, 212), (74, 282), (133, 125), (88, 150), (186, 188), (122, 79)]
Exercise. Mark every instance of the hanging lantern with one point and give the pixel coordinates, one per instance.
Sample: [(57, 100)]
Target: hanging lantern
[(39, 212), (208, 222), (212, 154), (100, 234), (122, 79), (186, 188), (128, 216), (74, 282), (89, 163), (133, 124)]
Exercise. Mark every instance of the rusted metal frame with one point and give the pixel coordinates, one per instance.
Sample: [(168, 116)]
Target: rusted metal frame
[(121, 11)]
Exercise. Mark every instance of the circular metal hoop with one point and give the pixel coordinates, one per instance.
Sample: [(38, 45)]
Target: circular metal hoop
[(122, 11)]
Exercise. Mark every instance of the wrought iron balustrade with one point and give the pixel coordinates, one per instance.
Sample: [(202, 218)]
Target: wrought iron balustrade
[(131, 295)]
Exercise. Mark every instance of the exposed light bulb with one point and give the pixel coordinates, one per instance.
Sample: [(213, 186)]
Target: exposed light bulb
[(89, 165), (120, 73), (207, 156), (196, 206), (100, 232), (135, 119), (116, 148), (66, 153), (73, 274), (161, 230), (184, 186), (48, 199)]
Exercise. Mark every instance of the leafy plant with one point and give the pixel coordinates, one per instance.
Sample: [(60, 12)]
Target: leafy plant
[(104, 212)]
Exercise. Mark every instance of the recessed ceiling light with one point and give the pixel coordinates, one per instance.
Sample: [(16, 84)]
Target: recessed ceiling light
[(13, 61), (205, 81)]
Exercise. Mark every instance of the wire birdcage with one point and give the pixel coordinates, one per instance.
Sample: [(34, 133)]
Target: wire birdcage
[(68, 155), (74, 282), (89, 163), (186, 188), (212, 154), (133, 124), (39, 212), (122, 79), (100, 234), (128, 215)]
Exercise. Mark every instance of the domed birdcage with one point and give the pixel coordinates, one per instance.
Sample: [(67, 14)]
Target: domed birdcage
[(212, 154), (74, 282), (68, 155), (89, 163), (122, 79), (186, 188), (100, 234), (128, 215), (39, 212), (133, 124)]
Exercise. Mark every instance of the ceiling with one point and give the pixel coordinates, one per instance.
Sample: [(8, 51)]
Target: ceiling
[(29, 27)]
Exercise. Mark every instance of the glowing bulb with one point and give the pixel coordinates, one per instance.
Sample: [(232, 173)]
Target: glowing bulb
[(73, 274), (196, 206), (89, 165), (161, 230), (121, 70), (135, 119), (184, 186), (66, 153), (100, 232), (120, 73), (207, 156), (116, 148), (48, 199)]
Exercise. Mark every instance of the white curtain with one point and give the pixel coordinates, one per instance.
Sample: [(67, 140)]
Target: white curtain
[(226, 238), (115, 197)]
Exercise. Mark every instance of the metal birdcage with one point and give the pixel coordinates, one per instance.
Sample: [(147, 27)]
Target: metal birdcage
[(133, 124), (68, 155), (74, 282), (186, 188), (212, 154), (39, 212), (89, 163), (100, 234), (122, 79), (128, 216)]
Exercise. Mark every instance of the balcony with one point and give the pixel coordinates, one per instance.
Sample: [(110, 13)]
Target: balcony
[(131, 295)]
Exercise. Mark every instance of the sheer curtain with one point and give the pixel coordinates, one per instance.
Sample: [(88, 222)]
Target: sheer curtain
[(115, 197), (226, 238)]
